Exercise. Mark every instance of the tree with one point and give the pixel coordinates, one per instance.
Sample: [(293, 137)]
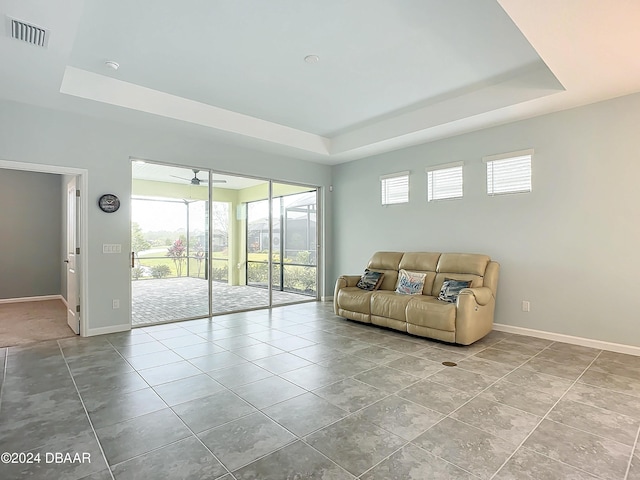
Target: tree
[(198, 253), (220, 215), (178, 253), (138, 242)]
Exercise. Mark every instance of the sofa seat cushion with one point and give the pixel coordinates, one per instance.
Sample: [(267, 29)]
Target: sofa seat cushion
[(355, 299), (430, 312), (390, 304)]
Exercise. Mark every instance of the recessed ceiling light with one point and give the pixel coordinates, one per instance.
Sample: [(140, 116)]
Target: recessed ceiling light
[(112, 65), (312, 59)]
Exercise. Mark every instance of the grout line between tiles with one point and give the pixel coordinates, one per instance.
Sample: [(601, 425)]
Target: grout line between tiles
[(84, 407), (461, 406), (258, 410), (429, 453), (465, 403), (4, 374), (178, 416), (545, 416), (633, 450)]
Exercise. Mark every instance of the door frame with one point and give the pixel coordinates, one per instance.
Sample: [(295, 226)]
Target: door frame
[(82, 176)]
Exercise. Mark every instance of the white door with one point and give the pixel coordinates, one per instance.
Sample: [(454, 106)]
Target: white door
[(73, 299)]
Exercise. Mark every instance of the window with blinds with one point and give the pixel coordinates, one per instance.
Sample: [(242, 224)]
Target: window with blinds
[(444, 181), (395, 188), (509, 173)]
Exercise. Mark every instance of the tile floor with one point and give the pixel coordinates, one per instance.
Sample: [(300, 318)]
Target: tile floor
[(299, 393)]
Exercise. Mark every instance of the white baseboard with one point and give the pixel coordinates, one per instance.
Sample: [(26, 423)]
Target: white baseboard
[(104, 330), (40, 298), (560, 337), (327, 298)]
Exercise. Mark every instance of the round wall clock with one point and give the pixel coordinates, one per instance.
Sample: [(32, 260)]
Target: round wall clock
[(109, 203)]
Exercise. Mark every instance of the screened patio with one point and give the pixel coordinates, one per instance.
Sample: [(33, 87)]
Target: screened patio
[(166, 299)]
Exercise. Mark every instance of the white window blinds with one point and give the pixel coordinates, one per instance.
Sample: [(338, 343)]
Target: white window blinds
[(509, 173), (395, 188), (444, 181)]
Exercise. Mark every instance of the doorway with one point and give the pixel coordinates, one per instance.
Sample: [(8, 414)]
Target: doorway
[(207, 243), (32, 290)]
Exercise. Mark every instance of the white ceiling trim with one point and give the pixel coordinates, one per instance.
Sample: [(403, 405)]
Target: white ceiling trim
[(100, 88), (532, 83), (418, 125)]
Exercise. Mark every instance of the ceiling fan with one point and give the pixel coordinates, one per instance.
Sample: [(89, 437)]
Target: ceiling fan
[(195, 180)]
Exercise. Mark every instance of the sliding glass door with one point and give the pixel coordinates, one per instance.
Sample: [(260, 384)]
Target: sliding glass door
[(294, 254), (169, 241), (245, 258), (206, 243)]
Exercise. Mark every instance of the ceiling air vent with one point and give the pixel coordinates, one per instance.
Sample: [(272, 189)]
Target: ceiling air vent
[(29, 33)]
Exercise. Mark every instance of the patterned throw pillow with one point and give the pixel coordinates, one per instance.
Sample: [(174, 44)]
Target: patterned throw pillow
[(410, 283), (370, 280), (451, 289)]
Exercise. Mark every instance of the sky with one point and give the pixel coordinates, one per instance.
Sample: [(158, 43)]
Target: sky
[(172, 215), (154, 216)]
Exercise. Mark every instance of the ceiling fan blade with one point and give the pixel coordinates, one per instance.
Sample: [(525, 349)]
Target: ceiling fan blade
[(206, 180), (196, 180)]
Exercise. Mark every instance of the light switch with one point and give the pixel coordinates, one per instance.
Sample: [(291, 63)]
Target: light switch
[(111, 248)]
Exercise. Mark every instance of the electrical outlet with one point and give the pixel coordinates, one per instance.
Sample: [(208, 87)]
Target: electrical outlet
[(526, 306), (116, 303)]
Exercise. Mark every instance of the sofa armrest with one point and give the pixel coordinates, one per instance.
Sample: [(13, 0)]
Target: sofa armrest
[(342, 282), (351, 280), (482, 295)]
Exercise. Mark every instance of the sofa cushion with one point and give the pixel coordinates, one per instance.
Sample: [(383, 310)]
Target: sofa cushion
[(423, 262), (410, 283), (354, 299), (430, 312), (387, 263), (420, 262), (385, 260), (370, 280), (476, 281), (389, 304), (451, 289), (471, 263)]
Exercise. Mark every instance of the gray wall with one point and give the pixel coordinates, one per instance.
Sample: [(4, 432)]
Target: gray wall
[(36, 135), (570, 247), (30, 234)]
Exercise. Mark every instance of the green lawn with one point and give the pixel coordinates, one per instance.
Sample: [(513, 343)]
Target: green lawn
[(154, 259), (298, 278)]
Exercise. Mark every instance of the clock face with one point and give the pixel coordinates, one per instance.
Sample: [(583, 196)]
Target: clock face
[(109, 203)]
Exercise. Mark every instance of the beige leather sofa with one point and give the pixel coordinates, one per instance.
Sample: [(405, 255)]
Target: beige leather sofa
[(463, 322)]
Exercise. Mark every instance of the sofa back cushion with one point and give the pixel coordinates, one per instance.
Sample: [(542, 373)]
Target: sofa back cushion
[(460, 266), (423, 262), (473, 263), (456, 266), (387, 263)]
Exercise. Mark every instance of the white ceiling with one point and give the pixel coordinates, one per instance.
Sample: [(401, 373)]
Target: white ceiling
[(392, 73), (142, 170)]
